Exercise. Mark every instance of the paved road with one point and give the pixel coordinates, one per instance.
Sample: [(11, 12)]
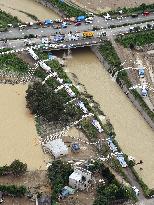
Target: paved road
[(41, 32), (97, 22)]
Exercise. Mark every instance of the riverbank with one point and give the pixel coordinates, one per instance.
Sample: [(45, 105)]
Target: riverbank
[(19, 139)]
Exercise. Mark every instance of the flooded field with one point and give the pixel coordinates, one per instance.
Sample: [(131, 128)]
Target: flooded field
[(17, 7), (134, 135), (18, 134)]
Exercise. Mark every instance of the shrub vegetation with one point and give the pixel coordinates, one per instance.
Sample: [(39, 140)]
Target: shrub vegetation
[(6, 19)]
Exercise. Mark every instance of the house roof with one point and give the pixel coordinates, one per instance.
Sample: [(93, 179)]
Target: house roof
[(44, 200), (75, 176)]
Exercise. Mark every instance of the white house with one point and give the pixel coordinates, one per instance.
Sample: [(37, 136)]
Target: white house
[(80, 179), (57, 147)]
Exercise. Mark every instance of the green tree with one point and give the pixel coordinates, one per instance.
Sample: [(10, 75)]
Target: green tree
[(58, 174), (18, 168), (41, 100)]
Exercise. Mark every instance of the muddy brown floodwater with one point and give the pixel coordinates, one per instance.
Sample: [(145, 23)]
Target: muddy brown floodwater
[(134, 135), (18, 136), (30, 6)]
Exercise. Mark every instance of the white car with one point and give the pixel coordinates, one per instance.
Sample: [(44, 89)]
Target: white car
[(119, 17), (136, 190), (88, 21)]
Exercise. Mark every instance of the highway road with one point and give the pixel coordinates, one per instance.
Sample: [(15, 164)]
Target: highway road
[(41, 32), (98, 22)]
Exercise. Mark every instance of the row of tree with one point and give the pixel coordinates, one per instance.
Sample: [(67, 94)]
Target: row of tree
[(13, 190)]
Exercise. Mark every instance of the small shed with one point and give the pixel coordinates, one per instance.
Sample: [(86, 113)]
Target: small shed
[(66, 191), (75, 147), (141, 72)]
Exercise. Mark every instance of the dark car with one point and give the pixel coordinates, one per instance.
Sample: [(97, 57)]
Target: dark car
[(134, 15), (77, 24), (146, 13)]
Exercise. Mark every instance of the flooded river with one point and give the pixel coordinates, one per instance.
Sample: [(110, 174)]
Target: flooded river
[(18, 136), (135, 137), (15, 7), (133, 134)]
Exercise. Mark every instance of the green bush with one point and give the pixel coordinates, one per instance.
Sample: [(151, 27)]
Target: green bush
[(128, 11), (138, 39), (11, 62), (89, 130), (6, 19), (55, 65), (16, 168), (58, 174), (12, 190), (112, 190)]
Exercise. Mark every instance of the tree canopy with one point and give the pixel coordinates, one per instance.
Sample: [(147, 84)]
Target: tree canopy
[(43, 101)]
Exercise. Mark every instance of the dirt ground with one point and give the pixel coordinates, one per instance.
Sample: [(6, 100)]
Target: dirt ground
[(33, 180), (17, 201), (103, 5), (79, 198), (86, 151)]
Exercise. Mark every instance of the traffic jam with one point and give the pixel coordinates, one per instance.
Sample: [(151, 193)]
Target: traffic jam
[(57, 40)]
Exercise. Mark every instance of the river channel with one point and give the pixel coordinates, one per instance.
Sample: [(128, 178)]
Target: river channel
[(134, 135), (18, 7)]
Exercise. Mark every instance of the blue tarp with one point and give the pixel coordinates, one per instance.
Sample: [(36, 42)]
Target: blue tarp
[(48, 22), (81, 18), (75, 147), (141, 71)]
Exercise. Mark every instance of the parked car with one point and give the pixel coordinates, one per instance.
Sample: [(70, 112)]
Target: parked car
[(58, 21), (119, 17), (56, 26), (77, 24), (88, 21), (136, 190), (134, 15), (146, 13)]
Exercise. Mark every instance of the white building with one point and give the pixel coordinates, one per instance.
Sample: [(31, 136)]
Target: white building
[(57, 147), (80, 179)]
